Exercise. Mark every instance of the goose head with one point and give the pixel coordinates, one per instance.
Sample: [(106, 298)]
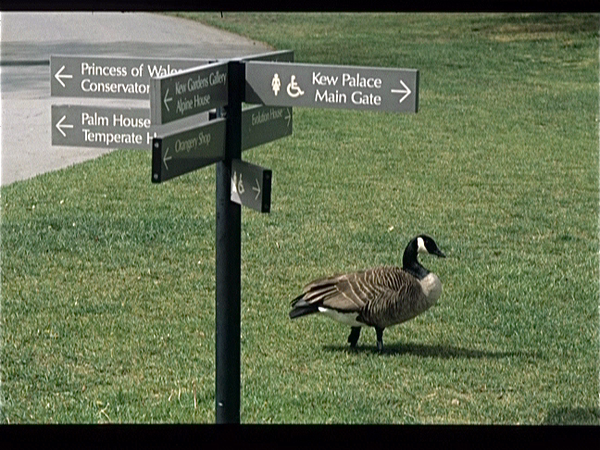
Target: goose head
[(419, 244), (426, 244)]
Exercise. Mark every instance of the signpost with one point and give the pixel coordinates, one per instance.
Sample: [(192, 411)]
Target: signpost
[(324, 86), (107, 77), (188, 93), (96, 126), (181, 89)]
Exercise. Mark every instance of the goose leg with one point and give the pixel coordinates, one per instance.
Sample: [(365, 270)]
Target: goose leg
[(353, 338), (379, 332)]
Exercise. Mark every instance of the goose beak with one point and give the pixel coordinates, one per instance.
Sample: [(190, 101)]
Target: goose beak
[(438, 252)]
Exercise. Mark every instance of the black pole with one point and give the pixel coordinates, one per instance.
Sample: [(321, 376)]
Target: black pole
[(228, 259)]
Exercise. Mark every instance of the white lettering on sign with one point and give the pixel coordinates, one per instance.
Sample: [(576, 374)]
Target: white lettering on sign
[(187, 145), (265, 116), (323, 80), (362, 82), (112, 138), (358, 98), (102, 71), (160, 71), (149, 137), (200, 82), (186, 104), (180, 88), (194, 84), (217, 78), (153, 70), (330, 97), (119, 120), (88, 85), (92, 120), (351, 81)]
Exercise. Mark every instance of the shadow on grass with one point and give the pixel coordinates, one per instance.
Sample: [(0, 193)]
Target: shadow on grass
[(431, 351), (573, 416)]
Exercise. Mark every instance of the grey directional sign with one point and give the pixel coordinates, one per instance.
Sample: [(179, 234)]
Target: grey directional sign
[(107, 77), (251, 185), (102, 127), (276, 56), (262, 124), (188, 93), (188, 150), (328, 86)]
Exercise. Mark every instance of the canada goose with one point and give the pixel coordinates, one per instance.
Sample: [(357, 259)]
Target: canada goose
[(379, 297)]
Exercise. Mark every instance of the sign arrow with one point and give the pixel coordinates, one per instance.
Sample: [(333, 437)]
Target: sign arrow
[(288, 117), (256, 189), (59, 77), (165, 159), (167, 99), (406, 91), (60, 126)]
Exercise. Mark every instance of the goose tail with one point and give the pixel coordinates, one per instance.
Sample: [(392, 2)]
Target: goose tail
[(301, 308)]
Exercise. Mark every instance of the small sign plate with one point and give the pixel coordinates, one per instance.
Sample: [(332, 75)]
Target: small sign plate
[(251, 185)]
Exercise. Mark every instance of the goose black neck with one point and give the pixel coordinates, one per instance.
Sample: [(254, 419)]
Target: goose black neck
[(411, 264)]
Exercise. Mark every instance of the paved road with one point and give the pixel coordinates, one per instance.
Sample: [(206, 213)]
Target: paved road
[(28, 40)]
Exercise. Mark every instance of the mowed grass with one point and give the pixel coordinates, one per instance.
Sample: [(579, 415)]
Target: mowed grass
[(108, 280)]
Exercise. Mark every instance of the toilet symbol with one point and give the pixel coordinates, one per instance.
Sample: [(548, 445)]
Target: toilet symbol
[(293, 89), (276, 84)]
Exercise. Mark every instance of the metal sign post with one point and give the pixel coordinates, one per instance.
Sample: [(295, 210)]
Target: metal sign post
[(228, 260)]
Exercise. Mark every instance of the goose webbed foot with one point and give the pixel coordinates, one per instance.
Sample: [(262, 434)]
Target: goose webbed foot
[(354, 335)]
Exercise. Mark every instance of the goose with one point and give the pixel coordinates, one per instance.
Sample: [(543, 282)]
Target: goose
[(379, 297)]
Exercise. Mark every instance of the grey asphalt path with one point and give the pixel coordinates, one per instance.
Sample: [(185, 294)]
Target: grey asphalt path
[(28, 40)]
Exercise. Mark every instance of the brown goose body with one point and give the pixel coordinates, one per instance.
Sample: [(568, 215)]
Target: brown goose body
[(378, 297)]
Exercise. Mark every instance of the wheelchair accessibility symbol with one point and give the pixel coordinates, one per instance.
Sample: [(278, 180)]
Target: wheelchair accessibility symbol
[(293, 89)]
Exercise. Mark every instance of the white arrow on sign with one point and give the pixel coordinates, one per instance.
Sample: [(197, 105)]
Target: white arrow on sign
[(165, 159), (256, 189), (60, 126), (288, 117), (167, 99), (59, 77), (406, 91)]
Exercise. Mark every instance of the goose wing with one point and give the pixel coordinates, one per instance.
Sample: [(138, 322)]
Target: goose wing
[(352, 291)]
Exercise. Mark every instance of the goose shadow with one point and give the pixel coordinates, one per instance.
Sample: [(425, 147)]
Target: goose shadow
[(431, 351)]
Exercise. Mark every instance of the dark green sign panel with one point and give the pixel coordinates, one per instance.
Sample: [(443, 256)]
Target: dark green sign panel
[(188, 150), (262, 124), (188, 93)]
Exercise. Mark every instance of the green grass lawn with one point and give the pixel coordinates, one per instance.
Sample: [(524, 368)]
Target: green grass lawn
[(108, 280)]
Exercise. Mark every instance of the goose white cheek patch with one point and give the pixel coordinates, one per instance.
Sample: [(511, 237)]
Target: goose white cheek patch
[(421, 246)]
